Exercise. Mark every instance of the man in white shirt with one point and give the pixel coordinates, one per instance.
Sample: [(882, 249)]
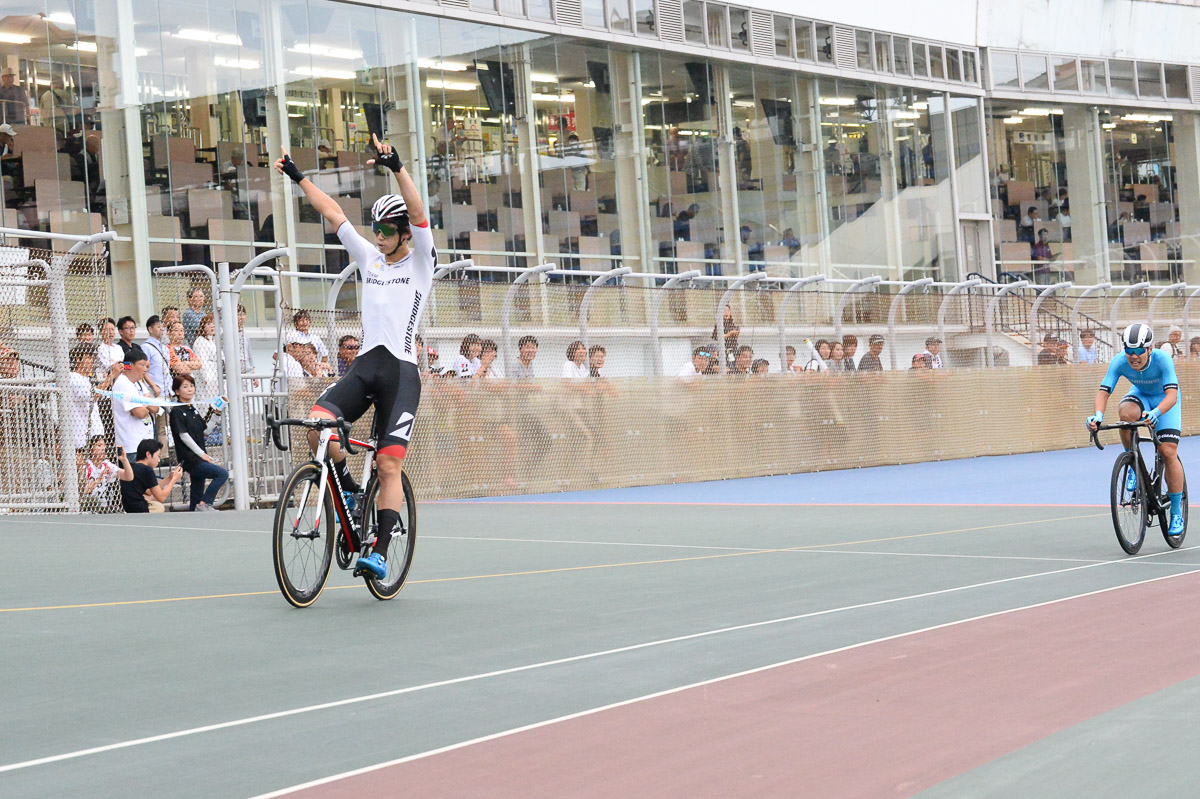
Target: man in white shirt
[(701, 357), (133, 419), (397, 273), (933, 352), (291, 363)]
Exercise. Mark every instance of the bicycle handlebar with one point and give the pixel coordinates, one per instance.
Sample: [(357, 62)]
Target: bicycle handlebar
[(339, 424), (1124, 426)]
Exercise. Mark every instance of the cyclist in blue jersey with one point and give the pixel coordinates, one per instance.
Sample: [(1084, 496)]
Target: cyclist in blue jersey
[(1154, 397)]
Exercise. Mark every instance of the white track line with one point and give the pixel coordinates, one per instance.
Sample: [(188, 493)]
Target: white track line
[(546, 664), (669, 691)]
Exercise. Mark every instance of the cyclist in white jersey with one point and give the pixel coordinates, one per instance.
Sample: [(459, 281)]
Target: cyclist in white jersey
[(397, 276)]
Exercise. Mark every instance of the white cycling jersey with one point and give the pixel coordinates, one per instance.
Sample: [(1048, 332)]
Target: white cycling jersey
[(394, 295)]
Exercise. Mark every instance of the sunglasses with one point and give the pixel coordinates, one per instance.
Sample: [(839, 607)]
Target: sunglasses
[(1135, 350), (349, 346), (384, 228)]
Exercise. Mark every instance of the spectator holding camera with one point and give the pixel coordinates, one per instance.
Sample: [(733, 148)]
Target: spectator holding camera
[(190, 430)]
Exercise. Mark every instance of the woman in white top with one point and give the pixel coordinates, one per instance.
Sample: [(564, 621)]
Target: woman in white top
[(108, 351), (575, 368), (205, 346), (466, 364), (836, 357)]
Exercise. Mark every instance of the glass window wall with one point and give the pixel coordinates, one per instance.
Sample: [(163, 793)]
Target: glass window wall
[(765, 105), (1140, 193), (686, 226)]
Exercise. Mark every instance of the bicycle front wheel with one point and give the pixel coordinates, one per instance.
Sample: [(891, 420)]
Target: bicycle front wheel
[(302, 543), (1129, 512), (399, 556)]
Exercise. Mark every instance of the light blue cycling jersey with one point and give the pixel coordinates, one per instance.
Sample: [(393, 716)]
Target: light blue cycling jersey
[(1153, 381)]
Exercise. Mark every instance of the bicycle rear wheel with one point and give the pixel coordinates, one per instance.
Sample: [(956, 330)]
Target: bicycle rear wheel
[(1129, 512), (1164, 514), (303, 547), (399, 556)]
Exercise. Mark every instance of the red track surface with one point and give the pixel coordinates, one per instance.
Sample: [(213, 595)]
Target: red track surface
[(885, 719)]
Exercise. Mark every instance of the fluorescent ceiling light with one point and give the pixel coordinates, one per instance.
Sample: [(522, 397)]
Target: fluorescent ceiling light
[(1035, 112), (921, 106), (14, 38), (543, 77), (1013, 120), (539, 97), (905, 115), (321, 72), (901, 138), (201, 35), (236, 63), (904, 124), (451, 85), (83, 47), (1108, 125), (837, 101), (61, 18), (329, 52), (744, 104), (445, 66)]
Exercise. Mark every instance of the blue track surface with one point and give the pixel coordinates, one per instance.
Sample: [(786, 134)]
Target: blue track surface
[(1062, 477)]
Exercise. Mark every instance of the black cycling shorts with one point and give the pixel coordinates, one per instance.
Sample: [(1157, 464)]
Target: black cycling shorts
[(381, 379)]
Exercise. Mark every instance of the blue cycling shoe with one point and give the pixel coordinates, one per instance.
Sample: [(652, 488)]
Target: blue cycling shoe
[(1177, 525), (1131, 482), (374, 564)]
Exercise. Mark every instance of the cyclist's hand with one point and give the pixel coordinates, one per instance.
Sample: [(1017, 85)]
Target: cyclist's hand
[(1093, 421), (1151, 416)]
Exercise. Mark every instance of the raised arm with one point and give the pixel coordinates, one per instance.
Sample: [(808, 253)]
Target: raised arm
[(408, 189), (326, 206)]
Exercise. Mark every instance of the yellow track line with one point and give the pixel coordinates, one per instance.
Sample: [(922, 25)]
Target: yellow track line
[(569, 568)]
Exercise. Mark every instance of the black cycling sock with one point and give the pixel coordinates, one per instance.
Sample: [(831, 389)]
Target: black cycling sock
[(388, 519), (343, 472)]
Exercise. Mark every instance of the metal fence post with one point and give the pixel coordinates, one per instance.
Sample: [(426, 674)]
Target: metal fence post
[(719, 314), (236, 411), (987, 317), (506, 311), (845, 298), (1033, 310), (783, 304), (959, 288), (1087, 292), (655, 304), (1145, 284), (586, 303), (895, 305)]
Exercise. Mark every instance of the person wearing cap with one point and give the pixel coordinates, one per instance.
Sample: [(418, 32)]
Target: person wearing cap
[(348, 347), (870, 362), (14, 102), (933, 348), (10, 163), (291, 354), (1172, 345), (1048, 356)]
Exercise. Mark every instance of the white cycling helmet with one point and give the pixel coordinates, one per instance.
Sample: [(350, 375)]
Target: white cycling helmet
[(388, 207), (1138, 335)]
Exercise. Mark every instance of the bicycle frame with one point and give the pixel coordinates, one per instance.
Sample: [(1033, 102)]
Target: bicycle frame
[(1153, 481)]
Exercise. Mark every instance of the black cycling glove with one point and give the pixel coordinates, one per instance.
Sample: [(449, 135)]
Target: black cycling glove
[(291, 170), (390, 161)]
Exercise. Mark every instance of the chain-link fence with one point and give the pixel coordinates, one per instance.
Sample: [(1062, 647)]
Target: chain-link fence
[(558, 383), (51, 303)]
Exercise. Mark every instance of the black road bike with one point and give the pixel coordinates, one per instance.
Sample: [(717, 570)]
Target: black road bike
[(312, 504), (1148, 504)]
